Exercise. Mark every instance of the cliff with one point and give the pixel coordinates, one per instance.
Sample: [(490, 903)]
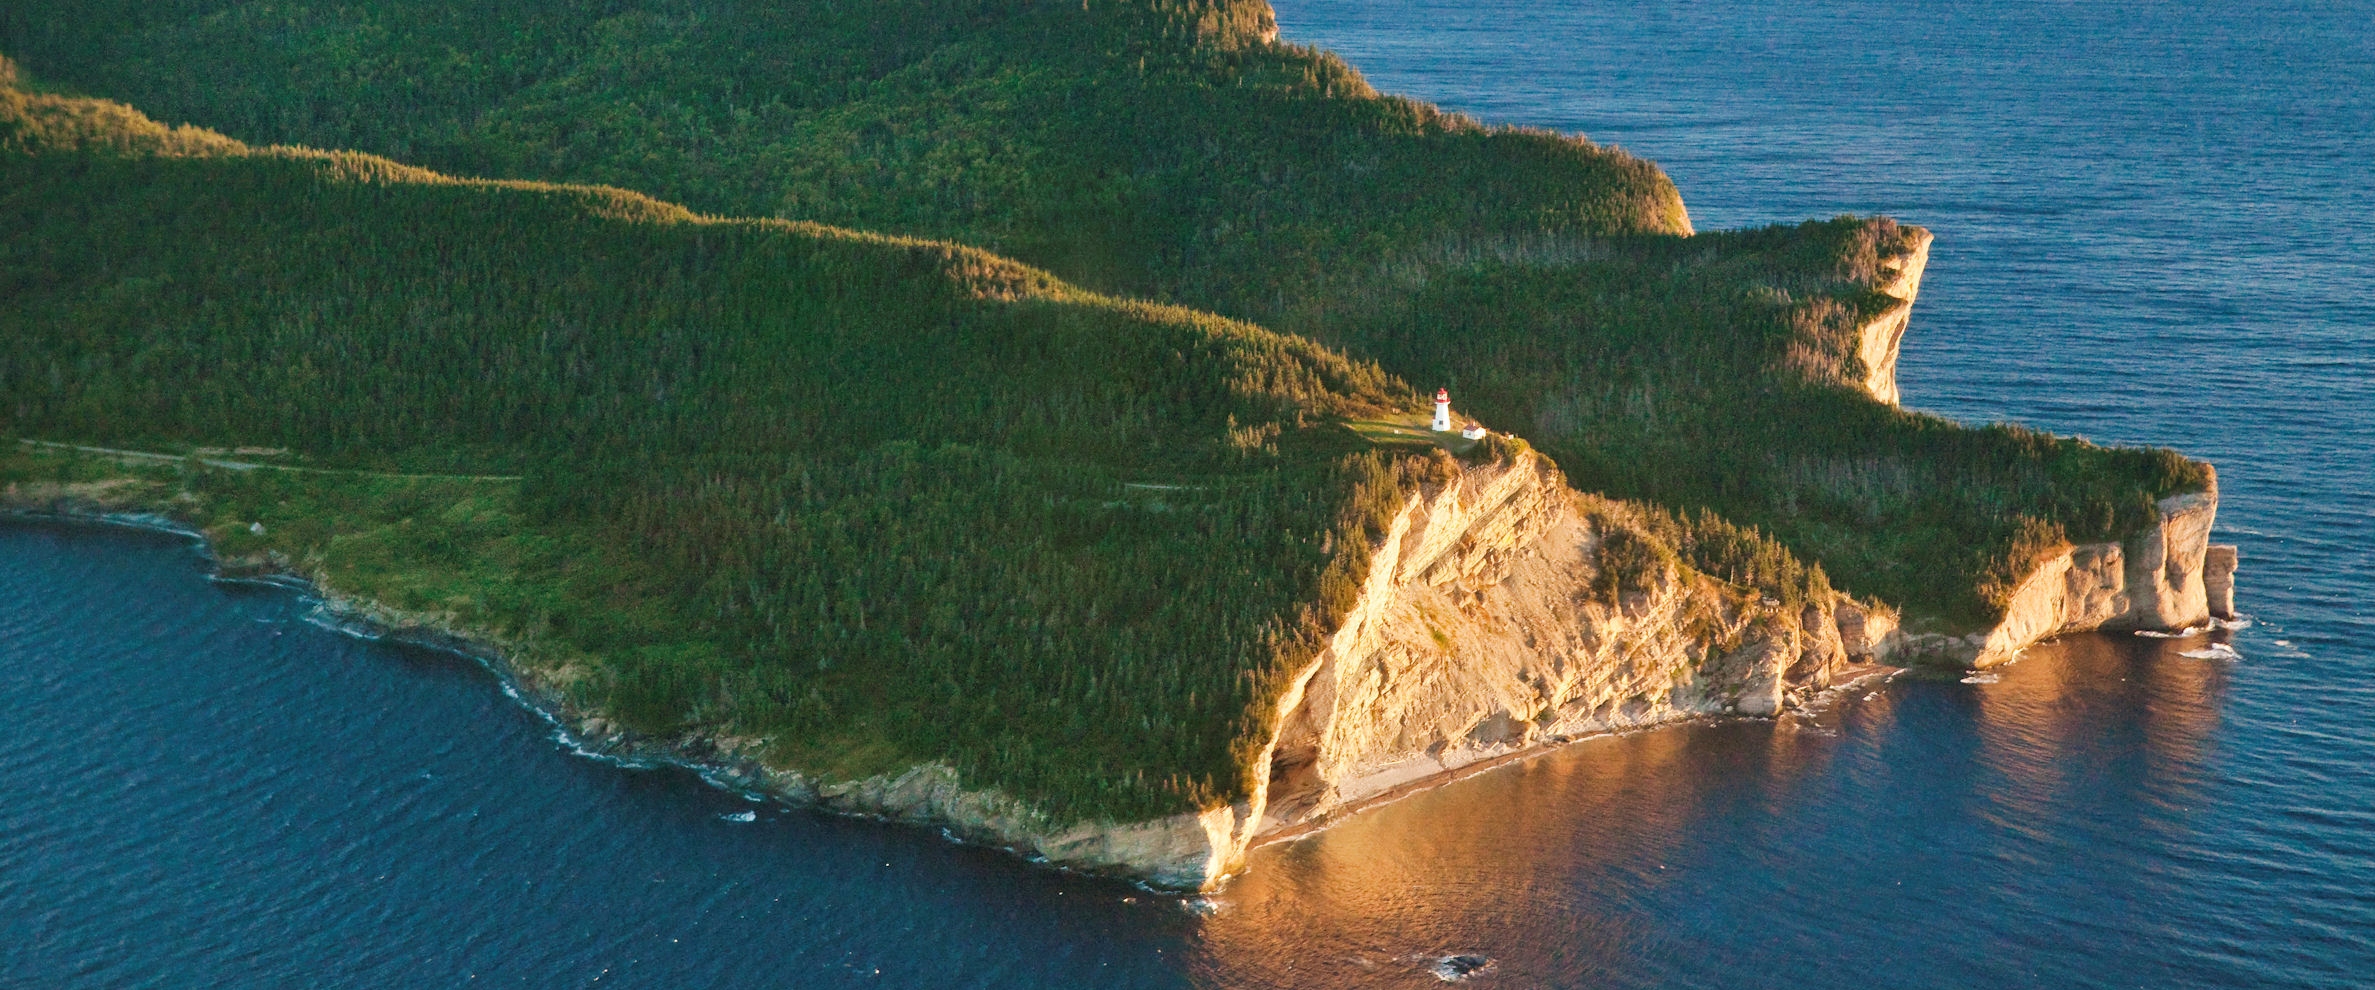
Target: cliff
[(2167, 577), (1879, 339), (777, 593), (1490, 624), (1486, 628)]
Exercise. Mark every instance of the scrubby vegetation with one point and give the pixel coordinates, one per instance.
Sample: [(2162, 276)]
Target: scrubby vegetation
[(883, 500), (1163, 149)]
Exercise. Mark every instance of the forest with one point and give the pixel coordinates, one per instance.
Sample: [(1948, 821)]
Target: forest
[(1172, 150), (955, 380), (886, 501)]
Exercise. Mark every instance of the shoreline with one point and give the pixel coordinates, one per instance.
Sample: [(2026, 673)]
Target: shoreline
[(715, 762), (716, 765), (926, 795)]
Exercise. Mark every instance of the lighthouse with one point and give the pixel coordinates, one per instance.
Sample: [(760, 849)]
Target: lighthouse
[(1442, 410)]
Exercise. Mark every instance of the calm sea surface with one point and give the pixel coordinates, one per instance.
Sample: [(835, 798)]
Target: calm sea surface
[(2156, 224)]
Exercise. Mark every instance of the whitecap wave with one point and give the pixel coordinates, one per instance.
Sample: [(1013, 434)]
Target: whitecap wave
[(1982, 679), (2215, 651), (325, 619), (740, 816)]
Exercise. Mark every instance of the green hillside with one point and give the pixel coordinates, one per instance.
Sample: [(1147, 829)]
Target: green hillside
[(885, 500), (1718, 374), (1163, 149), (1150, 147)]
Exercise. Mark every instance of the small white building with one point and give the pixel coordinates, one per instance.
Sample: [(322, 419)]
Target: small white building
[(1475, 431), (1442, 410)]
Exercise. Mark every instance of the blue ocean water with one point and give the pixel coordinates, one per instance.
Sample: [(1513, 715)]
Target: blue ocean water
[(2155, 225)]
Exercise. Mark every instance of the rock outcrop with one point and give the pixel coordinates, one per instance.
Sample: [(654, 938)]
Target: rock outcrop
[(2168, 577), (1879, 339), (1485, 629), (2218, 580), (1482, 632)]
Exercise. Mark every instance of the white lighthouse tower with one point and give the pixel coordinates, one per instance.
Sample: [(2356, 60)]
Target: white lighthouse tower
[(1442, 410)]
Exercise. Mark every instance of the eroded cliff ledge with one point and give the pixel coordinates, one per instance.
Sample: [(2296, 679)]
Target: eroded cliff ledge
[(2168, 577), (1879, 340), (1486, 629)]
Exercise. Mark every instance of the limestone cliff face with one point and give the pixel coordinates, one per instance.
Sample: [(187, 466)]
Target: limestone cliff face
[(2167, 577), (1478, 635), (2218, 580), (1482, 631), (1878, 340)]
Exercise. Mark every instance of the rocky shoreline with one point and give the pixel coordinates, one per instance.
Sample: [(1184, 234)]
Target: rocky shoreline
[(1392, 707), (1180, 854), (928, 796)]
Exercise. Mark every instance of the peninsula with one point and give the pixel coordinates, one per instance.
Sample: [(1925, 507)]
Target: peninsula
[(1045, 453)]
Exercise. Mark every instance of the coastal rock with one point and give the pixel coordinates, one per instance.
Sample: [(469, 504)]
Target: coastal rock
[(1866, 634), (1479, 635), (2218, 580), (1878, 340), (1180, 851), (2159, 579)]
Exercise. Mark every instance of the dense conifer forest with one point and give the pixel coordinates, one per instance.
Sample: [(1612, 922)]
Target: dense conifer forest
[(1165, 149), (887, 501), (842, 476)]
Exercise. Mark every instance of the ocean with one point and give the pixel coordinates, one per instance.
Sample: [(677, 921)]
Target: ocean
[(2155, 225)]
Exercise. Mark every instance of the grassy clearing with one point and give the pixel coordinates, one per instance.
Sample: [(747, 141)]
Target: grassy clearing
[(1410, 431), (450, 550)]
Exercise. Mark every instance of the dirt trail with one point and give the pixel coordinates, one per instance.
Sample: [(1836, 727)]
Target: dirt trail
[(157, 458)]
